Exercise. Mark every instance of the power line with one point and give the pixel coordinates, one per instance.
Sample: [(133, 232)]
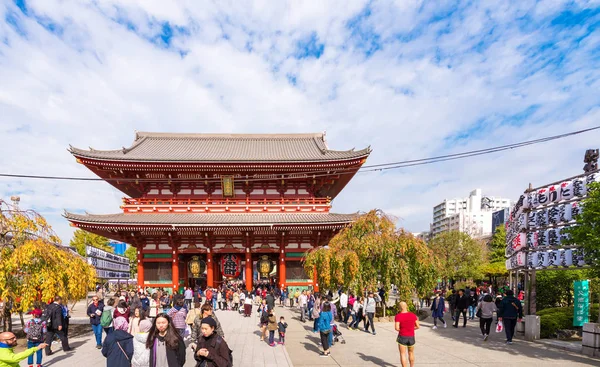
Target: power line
[(325, 173)]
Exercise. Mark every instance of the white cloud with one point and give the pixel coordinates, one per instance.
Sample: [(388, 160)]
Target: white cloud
[(432, 74)]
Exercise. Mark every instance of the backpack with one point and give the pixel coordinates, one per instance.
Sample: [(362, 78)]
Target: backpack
[(264, 318), (219, 340), (106, 318), (47, 315), (35, 332)]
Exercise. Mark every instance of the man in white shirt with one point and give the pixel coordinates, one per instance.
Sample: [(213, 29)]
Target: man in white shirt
[(343, 307), (188, 295), (302, 303)]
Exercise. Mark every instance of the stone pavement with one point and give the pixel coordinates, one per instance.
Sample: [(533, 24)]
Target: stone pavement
[(442, 347)]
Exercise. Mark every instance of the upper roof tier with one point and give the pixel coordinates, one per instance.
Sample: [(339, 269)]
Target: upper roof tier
[(176, 147)]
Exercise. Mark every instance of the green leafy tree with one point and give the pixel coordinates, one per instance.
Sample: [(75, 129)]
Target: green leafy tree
[(587, 232), (460, 255), (131, 254), (495, 266), (82, 238), (370, 252)]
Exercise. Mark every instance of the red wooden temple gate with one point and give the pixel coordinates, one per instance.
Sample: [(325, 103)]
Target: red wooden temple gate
[(196, 199)]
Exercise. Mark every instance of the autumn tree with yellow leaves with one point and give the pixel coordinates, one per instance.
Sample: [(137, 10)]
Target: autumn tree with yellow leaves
[(34, 266), (373, 251)]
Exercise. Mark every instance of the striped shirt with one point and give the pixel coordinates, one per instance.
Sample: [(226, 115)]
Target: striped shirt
[(178, 317)]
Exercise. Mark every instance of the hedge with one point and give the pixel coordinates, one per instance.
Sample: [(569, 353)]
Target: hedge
[(559, 318)]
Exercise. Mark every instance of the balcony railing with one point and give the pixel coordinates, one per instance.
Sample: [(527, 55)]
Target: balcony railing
[(147, 205)]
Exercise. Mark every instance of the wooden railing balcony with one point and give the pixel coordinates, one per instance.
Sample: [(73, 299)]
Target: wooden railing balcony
[(190, 205)]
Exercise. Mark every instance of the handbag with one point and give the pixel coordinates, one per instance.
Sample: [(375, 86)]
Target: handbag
[(120, 347), (499, 327), (478, 314)]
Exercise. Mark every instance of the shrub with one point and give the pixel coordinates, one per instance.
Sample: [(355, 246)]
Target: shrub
[(558, 318)]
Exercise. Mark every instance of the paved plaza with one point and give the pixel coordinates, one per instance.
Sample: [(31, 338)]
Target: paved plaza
[(441, 347)]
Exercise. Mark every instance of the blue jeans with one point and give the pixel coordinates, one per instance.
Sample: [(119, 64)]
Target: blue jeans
[(97, 333), (214, 303), (38, 354), (472, 312)]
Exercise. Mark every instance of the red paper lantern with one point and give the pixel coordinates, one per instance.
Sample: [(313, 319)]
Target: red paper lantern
[(230, 266)]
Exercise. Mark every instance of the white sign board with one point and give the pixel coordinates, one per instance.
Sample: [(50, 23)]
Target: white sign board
[(108, 266)]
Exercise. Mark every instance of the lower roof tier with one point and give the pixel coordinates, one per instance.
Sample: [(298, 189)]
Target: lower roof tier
[(211, 220)]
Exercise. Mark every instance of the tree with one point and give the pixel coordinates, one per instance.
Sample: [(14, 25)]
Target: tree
[(131, 254), (460, 255), (496, 261), (587, 232), (370, 252), (34, 267), (82, 238)]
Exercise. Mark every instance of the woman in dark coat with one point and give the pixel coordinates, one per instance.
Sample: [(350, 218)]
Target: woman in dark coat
[(438, 307), (212, 350), (118, 345), (167, 349)]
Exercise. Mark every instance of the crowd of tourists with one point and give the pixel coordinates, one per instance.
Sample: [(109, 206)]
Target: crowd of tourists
[(481, 303)]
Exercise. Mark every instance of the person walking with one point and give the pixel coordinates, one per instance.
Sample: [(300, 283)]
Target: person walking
[(188, 296), (316, 312), (178, 314), (462, 303), (282, 327), (349, 307), (106, 320), (452, 303), (270, 300), (405, 324), (472, 304), (438, 307), (141, 355), (134, 322), (154, 306), (302, 305), (35, 330), (212, 349), (118, 345), (207, 311), (248, 306), (94, 311), (192, 314), (487, 308), (167, 349), (324, 327), (55, 322), (236, 301), (8, 357), (122, 310), (370, 306), (343, 314), (263, 311), (358, 309), (272, 327), (510, 312)]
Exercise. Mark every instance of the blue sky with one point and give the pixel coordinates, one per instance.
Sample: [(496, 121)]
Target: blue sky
[(410, 78)]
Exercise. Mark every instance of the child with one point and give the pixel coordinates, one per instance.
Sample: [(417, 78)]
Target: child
[(36, 332), (282, 325), (272, 326), (141, 355)]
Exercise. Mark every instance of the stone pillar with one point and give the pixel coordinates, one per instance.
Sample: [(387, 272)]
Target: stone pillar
[(591, 339), (175, 269), (532, 328), (140, 266), (209, 269), (248, 269)]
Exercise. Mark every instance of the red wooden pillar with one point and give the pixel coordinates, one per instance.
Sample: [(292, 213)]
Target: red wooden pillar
[(209, 269), (281, 267), (175, 269), (249, 274), (140, 266), (315, 279)]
